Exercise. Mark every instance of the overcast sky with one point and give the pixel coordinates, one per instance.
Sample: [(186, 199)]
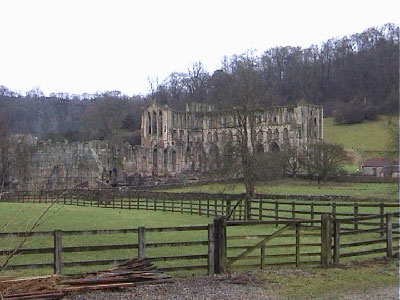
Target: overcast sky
[(88, 46)]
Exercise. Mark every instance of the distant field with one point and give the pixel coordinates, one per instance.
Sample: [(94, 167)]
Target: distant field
[(384, 191), (370, 137)]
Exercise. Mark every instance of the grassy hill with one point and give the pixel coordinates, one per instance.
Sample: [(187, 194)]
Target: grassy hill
[(369, 138)]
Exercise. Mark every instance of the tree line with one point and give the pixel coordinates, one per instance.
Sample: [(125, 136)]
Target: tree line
[(354, 77)]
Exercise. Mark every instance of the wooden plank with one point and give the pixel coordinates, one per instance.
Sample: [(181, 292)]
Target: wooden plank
[(389, 241), (356, 216), (262, 256), (380, 250), (336, 243), (220, 245), (57, 252), (364, 243), (211, 250), (297, 244), (30, 266), (141, 242), (178, 257), (326, 240), (177, 228), (176, 244)]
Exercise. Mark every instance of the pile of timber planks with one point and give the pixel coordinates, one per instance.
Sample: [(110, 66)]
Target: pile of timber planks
[(127, 274)]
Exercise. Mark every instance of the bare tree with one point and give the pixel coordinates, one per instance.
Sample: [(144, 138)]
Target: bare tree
[(239, 91), (5, 132), (325, 160)]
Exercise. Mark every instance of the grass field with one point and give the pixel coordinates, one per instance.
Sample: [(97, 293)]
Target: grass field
[(370, 138), (85, 218), (333, 284), (384, 191)]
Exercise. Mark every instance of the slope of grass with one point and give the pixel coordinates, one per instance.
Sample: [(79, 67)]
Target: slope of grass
[(369, 136)]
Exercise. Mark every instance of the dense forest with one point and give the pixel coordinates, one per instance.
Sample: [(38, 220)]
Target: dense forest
[(355, 78)]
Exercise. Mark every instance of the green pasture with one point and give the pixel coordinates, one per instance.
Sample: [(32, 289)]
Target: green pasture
[(65, 217), (370, 138), (383, 191)]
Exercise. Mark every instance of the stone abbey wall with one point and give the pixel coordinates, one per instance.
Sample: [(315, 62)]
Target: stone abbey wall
[(172, 143), (187, 140)]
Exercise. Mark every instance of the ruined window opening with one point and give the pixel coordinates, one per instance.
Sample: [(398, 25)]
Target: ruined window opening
[(154, 120), (230, 137), (215, 137), (209, 137), (173, 161), (276, 134), (149, 122), (160, 123), (285, 134)]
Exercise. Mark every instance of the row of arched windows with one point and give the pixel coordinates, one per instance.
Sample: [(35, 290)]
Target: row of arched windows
[(154, 123), (228, 136)]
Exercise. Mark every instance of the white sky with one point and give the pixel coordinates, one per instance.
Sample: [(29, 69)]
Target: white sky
[(88, 46)]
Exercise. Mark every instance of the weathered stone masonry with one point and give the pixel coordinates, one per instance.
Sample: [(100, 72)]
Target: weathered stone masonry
[(172, 142)]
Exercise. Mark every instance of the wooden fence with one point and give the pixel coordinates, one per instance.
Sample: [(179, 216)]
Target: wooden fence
[(234, 207), (215, 248), (139, 245)]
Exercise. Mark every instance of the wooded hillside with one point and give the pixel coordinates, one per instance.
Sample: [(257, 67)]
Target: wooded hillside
[(354, 77)]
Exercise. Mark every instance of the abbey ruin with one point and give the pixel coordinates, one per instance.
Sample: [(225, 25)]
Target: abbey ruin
[(172, 143)]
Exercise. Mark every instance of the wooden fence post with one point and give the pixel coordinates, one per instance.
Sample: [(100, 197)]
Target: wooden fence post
[(297, 244), (57, 251), (262, 256), (260, 210), (389, 227), (334, 210), (326, 240), (199, 207), (141, 242), (276, 212), (228, 207), (355, 215), (211, 250), (293, 210), (220, 245), (312, 213), (382, 212), (336, 242)]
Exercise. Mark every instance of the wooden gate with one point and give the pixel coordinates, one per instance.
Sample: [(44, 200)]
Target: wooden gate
[(272, 243)]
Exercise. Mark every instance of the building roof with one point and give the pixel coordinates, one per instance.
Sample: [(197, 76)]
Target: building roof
[(378, 162)]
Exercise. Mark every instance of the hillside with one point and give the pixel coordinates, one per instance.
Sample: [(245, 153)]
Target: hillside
[(369, 139)]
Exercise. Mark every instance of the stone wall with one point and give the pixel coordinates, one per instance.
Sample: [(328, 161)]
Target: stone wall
[(174, 144)]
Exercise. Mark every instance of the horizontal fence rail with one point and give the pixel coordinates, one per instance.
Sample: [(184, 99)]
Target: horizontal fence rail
[(59, 245), (232, 206), (214, 248)]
